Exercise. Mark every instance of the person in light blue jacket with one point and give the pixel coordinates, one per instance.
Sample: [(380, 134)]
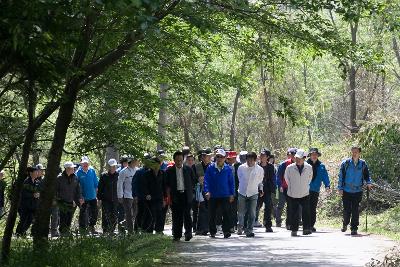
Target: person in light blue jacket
[(320, 175), (353, 174), (89, 182)]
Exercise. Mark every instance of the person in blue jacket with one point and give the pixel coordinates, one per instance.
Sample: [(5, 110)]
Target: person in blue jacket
[(89, 182), (353, 174), (320, 175), (219, 187)]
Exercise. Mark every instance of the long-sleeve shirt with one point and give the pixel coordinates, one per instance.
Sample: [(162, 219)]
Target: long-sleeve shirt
[(124, 187), (298, 180), (68, 188), (320, 175), (280, 179), (88, 182), (250, 179), (219, 182), (355, 175)]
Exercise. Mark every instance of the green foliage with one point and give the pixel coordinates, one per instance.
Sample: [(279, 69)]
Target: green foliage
[(138, 250)]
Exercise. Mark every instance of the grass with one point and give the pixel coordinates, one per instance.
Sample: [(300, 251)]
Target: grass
[(136, 250)]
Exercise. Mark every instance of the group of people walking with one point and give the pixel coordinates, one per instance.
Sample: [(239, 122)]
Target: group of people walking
[(216, 191)]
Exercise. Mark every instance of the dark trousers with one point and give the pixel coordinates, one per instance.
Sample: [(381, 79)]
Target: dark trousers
[(313, 207), (223, 204), (234, 211), (351, 204), (181, 216), (288, 203), (295, 204), (66, 213), (139, 222), (25, 220), (164, 215), (153, 216), (260, 203), (200, 216), (268, 210), (109, 215), (88, 214)]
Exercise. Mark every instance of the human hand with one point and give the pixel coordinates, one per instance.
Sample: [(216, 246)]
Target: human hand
[(208, 195)]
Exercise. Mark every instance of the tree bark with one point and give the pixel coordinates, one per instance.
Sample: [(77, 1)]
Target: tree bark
[(162, 114), (352, 81), (233, 122)]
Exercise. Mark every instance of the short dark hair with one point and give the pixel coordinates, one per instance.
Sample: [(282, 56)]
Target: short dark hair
[(190, 156), (251, 155), (356, 147), (177, 153)]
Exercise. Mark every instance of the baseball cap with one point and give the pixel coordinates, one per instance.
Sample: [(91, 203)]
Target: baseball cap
[(231, 154), (40, 167), (207, 151), (220, 152), (301, 154), (112, 162), (69, 164), (85, 159), (292, 151)]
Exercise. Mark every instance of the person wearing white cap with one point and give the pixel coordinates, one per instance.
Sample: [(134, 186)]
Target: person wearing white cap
[(219, 187), (108, 196), (298, 177), (89, 182), (68, 196), (125, 194)]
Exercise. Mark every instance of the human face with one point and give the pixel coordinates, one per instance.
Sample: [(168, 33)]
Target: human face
[(263, 158), (33, 174), (124, 164), (206, 159), (231, 161), (189, 161), (40, 172), (299, 161), (112, 169), (69, 170), (314, 157), (220, 160), (134, 163), (250, 161), (355, 153), (290, 156), (85, 166), (178, 161)]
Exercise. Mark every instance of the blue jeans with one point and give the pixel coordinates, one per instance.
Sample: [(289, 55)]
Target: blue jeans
[(247, 205)]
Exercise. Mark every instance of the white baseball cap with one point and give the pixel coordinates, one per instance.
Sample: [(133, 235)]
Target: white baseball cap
[(85, 159), (301, 154), (69, 164), (112, 162), (220, 152)]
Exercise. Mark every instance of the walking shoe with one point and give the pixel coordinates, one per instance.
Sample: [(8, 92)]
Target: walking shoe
[(268, 230), (354, 232), (307, 232), (240, 230), (250, 235), (313, 229), (188, 237), (227, 235), (294, 233), (344, 228)]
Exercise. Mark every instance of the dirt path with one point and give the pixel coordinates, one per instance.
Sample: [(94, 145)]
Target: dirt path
[(324, 248)]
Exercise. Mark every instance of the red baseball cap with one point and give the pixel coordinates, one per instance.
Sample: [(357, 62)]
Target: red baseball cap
[(231, 154)]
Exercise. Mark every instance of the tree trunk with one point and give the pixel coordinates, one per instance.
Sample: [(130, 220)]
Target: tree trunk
[(41, 225), (162, 115), (233, 122), (268, 107), (352, 81)]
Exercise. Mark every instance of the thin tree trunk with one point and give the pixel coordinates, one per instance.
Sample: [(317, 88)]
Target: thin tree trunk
[(352, 81), (233, 122), (162, 114)]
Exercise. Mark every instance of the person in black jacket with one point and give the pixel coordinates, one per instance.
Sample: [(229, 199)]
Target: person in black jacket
[(68, 196), (269, 188), (179, 180), (107, 194), (29, 201), (152, 187)]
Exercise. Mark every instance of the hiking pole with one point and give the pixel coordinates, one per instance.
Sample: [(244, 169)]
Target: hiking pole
[(366, 211)]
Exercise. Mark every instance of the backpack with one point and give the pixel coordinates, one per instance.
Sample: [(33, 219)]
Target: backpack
[(364, 172)]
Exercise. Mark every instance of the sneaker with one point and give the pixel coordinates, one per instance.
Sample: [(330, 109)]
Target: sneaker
[(354, 232), (227, 235), (294, 233), (188, 237), (307, 232), (313, 229), (240, 230), (268, 230), (250, 235), (344, 228)]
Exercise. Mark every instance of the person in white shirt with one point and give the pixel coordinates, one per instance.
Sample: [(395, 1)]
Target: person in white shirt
[(250, 177), (298, 176), (125, 194)]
